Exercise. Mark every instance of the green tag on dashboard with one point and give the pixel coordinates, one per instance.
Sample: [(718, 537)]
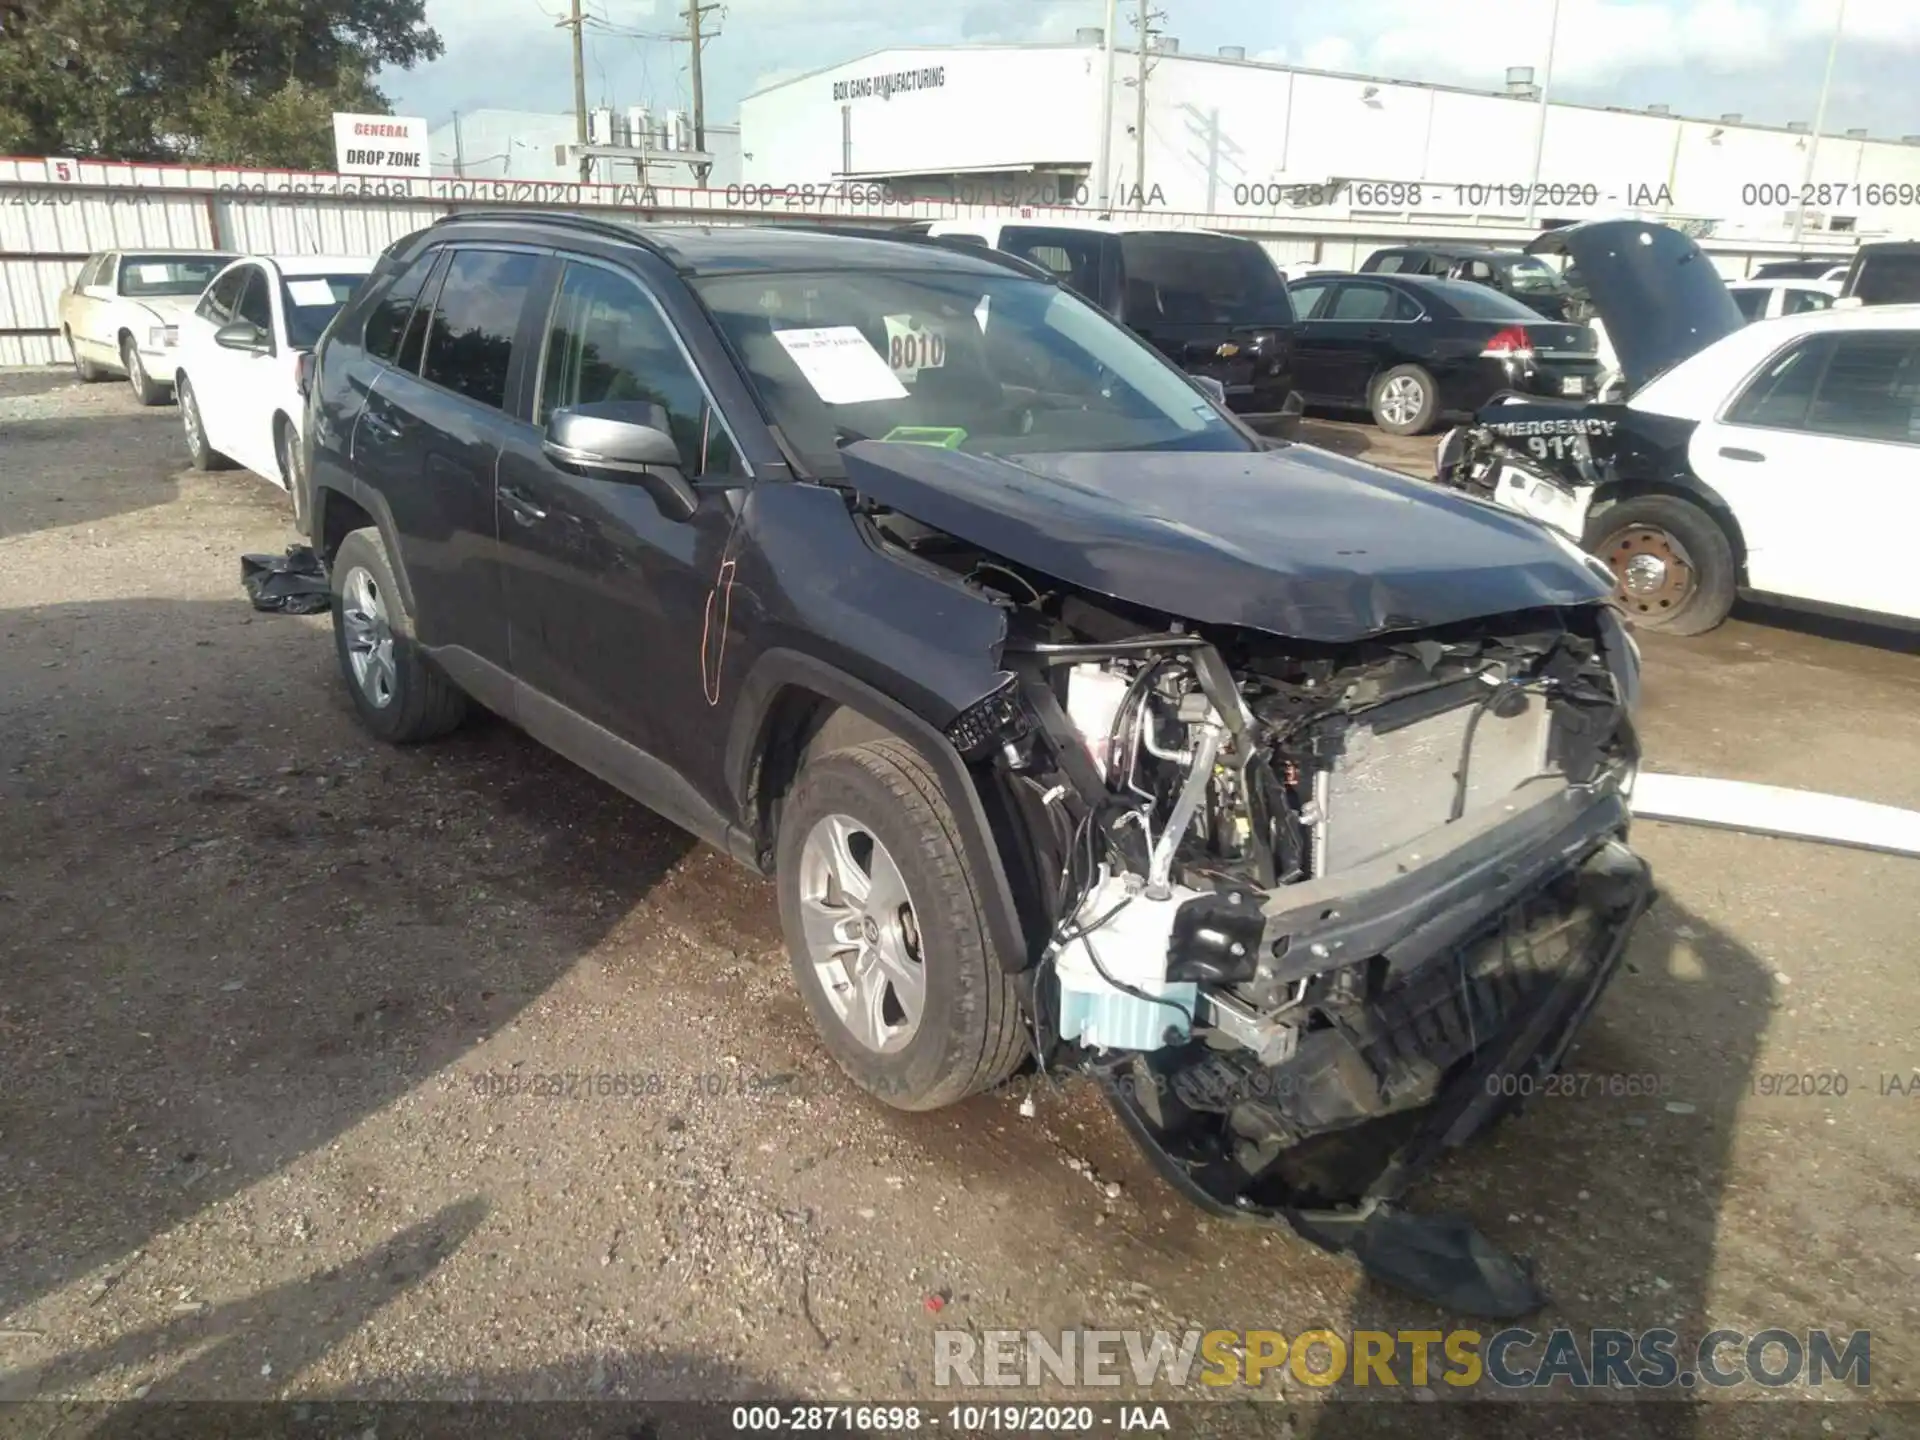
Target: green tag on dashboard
[(947, 437)]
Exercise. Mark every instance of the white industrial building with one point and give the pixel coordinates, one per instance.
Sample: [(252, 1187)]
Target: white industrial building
[(1021, 123), (530, 145)]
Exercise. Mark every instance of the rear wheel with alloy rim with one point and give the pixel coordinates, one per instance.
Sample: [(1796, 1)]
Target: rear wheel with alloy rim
[(397, 690), (885, 932), (1672, 563), (1405, 401)]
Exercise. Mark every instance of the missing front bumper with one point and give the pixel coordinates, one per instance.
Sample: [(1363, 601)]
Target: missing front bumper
[(1329, 1140)]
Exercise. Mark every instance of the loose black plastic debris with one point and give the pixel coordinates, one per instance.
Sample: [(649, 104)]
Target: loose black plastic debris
[(291, 584), (1440, 1258)]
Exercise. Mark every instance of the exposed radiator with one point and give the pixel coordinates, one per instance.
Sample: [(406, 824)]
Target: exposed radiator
[(1387, 789)]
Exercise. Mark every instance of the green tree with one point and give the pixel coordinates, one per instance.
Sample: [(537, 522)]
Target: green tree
[(248, 82)]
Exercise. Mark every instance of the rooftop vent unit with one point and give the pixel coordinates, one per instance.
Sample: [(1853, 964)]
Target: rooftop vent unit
[(1233, 52), (1659, 109), (1856, 134), (1910, 139), (1732, 117), (1519, 80), (1167, 45), (1799, 127), (1089, 35)]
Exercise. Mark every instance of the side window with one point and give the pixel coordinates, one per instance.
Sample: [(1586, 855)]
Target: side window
[(470, 339), (1305, 297), (255, 306), (387, 321), (1389, 264), (1870, 388), (1750, 303), (1405, 307), (1073, 258), (606, 341), (217, 304), (1799, 301), (1479, 272), (89, 273), (1361, 302), (1779, 395)]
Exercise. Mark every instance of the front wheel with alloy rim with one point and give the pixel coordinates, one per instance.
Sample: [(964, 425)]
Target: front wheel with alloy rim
[(203, 455), (884, 929), (397, 690), (149, 391), (1672, 564), (286, 454), (84, 370), (1405, 401)]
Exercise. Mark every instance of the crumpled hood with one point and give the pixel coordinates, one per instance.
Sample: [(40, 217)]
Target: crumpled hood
[(165, 309), (1295, 541), (1655, 290)]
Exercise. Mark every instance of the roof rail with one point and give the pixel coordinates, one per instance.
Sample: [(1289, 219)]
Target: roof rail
[(943, 242), (607, 229)]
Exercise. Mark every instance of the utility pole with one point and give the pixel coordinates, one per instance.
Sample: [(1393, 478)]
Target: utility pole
[(1540, 124), (1144, 19), (578, 25), (1819, 119), (1103, 177), (693, 13)]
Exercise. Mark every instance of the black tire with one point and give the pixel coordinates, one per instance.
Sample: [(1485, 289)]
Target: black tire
[(971, 1034), (145, 388), (203, 455), (1420, 418), (286, 453), (422, 703), (1699, 575), (84, 370)]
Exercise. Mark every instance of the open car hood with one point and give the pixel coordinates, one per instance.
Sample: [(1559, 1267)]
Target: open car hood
[(1654, 289), (1294, 541)]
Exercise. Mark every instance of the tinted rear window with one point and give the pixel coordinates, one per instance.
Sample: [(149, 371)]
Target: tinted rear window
[(1478, 302), (1886, 277), (1202, 280), (1752, 303), (310, 301)]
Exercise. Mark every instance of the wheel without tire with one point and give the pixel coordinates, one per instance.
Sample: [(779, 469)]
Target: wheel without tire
[(883, 925), (400, 694), (203, 455), (1405, 401), (149, 391), (1672, 563), (85, 370)]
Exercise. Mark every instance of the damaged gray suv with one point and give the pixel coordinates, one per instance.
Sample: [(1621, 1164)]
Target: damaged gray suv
[(1078, 725)]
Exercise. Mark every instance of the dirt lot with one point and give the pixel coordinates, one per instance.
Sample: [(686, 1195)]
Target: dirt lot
[(271, 996)]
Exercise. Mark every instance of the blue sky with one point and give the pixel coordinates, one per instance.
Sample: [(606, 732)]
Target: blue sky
[(1760, 57)]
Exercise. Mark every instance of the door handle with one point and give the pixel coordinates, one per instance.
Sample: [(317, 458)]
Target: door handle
[(382, 429), (522, 506), (1729, 452)]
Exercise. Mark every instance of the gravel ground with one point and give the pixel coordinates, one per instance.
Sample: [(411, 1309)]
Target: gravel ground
[(274, 1001)]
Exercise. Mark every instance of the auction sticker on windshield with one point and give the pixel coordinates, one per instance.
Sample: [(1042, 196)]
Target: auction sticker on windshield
[(913, 346), (840, 365), (310, 292)]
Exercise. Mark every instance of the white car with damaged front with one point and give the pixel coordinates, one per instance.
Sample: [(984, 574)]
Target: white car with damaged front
[(238, 365), (120, 314)]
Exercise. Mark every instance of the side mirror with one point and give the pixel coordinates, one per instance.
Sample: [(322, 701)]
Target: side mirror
[(1211, 388), (625, 440), (242, 335)]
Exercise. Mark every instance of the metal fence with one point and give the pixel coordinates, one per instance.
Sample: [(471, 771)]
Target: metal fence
[(55, 212)]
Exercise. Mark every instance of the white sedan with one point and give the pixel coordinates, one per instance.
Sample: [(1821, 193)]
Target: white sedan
[(237, 366), (119, 314), (1771, 299)]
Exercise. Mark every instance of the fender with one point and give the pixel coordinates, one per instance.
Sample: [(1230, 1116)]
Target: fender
[(371, 501), (747, 738)]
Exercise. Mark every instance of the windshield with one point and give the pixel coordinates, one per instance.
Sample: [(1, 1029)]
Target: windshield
[(1531, 276), (1479, 302), (987, 364), (169, 274), (1188, 279), (311, 301)]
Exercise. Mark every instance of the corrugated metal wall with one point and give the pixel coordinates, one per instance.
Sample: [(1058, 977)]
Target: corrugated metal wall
[(54, 213)]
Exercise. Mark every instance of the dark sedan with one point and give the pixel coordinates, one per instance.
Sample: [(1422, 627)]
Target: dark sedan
[(1412, 350)]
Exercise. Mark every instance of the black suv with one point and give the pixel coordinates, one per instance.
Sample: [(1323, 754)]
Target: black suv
[(1072, 719), (1515, 273)]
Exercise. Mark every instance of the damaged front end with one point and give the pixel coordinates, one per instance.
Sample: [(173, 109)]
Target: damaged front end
[(1317, 911)]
